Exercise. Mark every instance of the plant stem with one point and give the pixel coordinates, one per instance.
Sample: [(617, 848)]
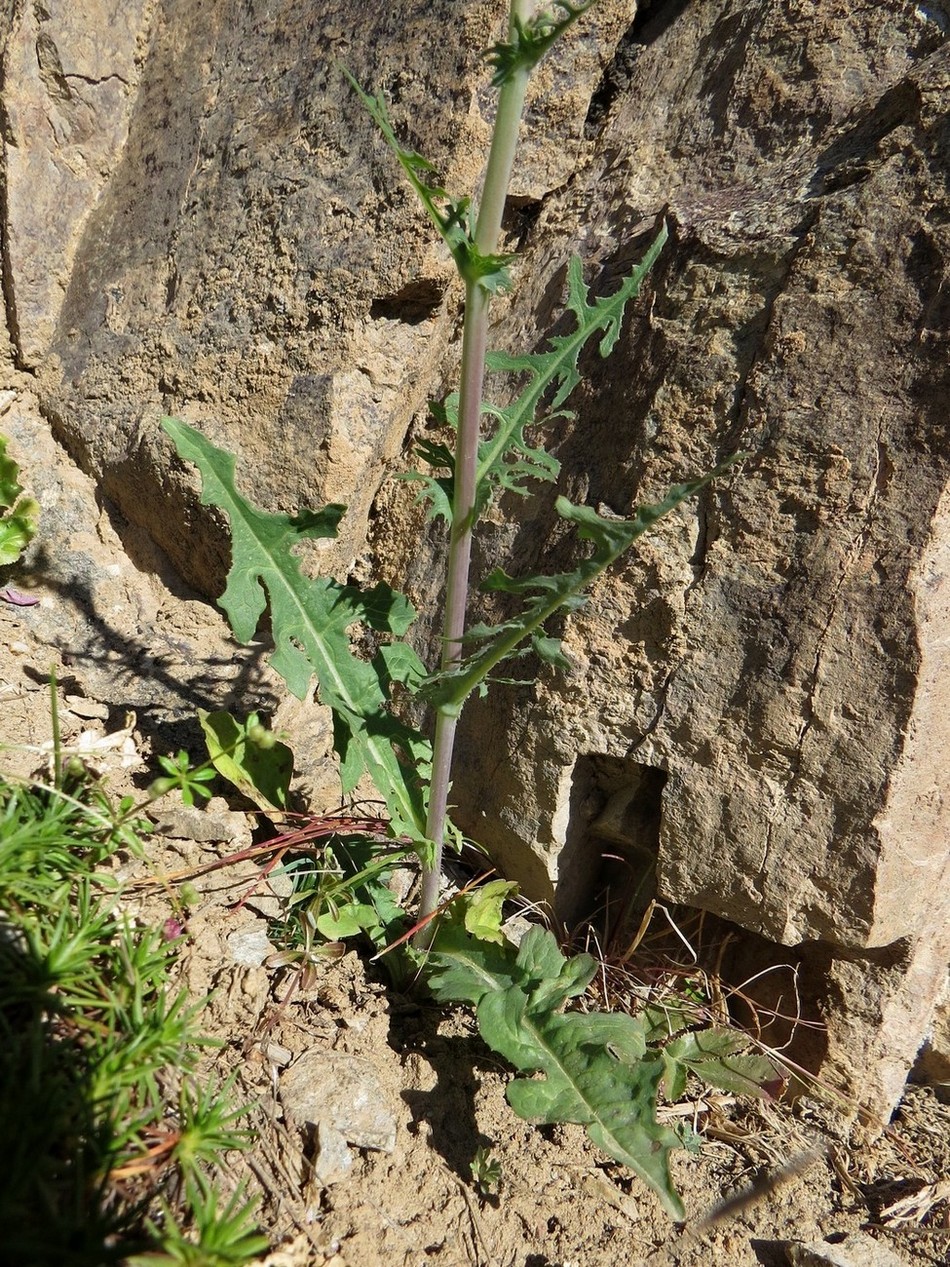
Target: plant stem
[(474, 345), (57, 732)]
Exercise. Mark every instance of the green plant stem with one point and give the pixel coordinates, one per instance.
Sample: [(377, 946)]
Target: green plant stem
[(474, 348)]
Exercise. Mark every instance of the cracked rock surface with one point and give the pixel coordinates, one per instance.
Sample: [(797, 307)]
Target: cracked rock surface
[(199, 221)]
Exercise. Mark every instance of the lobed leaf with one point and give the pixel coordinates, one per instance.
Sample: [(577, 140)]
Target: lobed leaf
[(507, 459), (532, 39), (720, 1057), (437, 490), (311, 620), (462, 968), (544, 972), (593, 1069), (452, 217), (545, 595)]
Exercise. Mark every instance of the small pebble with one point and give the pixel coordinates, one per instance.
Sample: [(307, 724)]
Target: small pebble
[(249, 946), (278, 1055)]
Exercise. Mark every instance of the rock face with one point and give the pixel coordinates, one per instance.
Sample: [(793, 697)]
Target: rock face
[(762, 690), (72, 86), (198, 220)]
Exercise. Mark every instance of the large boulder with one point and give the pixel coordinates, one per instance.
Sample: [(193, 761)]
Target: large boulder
[(200, 220), (759, 706)]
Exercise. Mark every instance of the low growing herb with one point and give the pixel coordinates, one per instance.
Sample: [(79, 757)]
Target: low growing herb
[(18, 514)]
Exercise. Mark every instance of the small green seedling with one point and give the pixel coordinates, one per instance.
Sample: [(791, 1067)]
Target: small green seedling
[(219, 1235), (191, 781), (486, 1172)]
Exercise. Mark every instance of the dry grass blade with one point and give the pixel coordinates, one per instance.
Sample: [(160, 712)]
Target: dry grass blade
[(918, 1205)]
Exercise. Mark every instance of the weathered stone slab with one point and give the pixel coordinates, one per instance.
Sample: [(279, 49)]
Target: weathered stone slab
[(344, 1093), (70, 74), (771, 666), (253, 264), (856, 1250)]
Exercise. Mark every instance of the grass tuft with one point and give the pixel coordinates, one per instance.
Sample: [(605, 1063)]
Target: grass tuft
[(91, 1034)]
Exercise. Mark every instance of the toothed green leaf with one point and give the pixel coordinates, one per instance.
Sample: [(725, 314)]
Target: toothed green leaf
[(557, 367), (545, 595), (547, 975), (589, 1068), (461, 968), (720, 1057), (311, 620), (451, 216), (549, 650), (436, 490), (507, 459)]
